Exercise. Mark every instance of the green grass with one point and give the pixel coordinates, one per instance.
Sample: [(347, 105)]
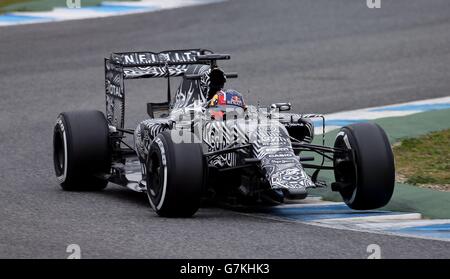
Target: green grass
[(7, 6), (5, 3), (425, 159)]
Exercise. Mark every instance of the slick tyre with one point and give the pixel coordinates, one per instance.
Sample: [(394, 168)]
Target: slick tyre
[(81, 152), (365, 175), (175, 176)]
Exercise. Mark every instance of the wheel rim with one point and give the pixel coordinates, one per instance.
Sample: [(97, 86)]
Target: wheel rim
[(155, 176), (59, 153), (345, 169)]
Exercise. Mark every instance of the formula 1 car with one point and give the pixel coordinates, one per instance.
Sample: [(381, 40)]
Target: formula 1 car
[(207, 144)]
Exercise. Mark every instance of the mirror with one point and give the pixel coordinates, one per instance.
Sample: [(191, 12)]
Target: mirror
[(281, 106)]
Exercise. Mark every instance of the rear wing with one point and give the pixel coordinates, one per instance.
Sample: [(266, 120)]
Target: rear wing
[(161, 64), (135, 65)]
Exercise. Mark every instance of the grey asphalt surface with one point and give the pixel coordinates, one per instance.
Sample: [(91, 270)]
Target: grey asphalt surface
[(323, 56)]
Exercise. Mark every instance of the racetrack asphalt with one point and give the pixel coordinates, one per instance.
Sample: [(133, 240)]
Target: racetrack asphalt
[(322, 56)]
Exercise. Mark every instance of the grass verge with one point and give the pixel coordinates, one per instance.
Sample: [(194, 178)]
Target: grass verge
[(425, 161)]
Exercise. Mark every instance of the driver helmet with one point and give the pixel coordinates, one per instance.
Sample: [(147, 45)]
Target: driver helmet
[(223, 99), (229, 97)]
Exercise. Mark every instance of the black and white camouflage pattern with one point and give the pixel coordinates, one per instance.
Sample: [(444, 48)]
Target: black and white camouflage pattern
[(115, 95), (133, 65), (281, 166), (145, 132), (154, 72), (270, 141), (192, 90)]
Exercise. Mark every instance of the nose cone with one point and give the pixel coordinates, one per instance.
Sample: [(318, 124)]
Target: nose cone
[(283, 170), (289, 176), (280, 165)]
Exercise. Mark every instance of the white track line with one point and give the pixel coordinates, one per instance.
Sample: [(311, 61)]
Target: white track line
[(380, 112), (341, 228), (105, 9)]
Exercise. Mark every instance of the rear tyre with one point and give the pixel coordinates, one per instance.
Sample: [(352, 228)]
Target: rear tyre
[(175, 176), (366, 178), (81, 152)]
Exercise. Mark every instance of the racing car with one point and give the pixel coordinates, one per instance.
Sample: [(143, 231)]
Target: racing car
[(206, 143)]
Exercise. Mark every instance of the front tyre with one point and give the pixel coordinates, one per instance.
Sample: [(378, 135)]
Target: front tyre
[(365, 174), (81, 152), (175, 176)]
